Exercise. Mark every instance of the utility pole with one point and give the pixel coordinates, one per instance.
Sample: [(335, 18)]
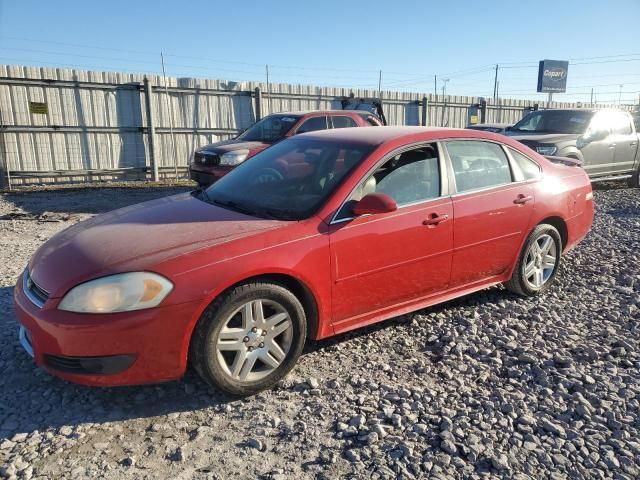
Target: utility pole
[(380, 85), (435, 85), (591, 96), (620, 95), (495, 85)]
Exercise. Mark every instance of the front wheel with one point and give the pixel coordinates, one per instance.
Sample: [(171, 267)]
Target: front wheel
[(538, 262), (249, 338)]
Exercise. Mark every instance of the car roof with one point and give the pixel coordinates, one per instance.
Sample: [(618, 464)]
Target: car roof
[(379, 135), (325, 112), (500, 125), (589, 110)]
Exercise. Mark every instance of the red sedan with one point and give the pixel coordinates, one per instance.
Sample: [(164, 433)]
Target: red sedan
[(214, 161), (320, 234)]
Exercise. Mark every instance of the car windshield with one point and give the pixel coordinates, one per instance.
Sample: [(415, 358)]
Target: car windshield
[(554, 121), (269, 129), (288, 181)]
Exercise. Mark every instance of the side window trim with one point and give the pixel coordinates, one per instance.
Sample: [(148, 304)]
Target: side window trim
[(453, 188), (517, 168), (442, 167), (332, 117), (326, 124)]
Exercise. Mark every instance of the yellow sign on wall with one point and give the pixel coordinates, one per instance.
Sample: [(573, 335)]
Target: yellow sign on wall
[(39, 108)]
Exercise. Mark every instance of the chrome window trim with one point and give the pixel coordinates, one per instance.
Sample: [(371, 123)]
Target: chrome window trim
[(454, 188), (27, 290), (485, 189), (515, 163), (441, 170)]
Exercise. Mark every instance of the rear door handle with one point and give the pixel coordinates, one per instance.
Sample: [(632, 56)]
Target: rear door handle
[(613, 145), (634, 144), (434, 220), (522, 199)]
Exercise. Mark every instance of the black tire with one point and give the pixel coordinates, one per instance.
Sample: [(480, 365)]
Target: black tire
[(634, 181), (518, 283), (202, 352)]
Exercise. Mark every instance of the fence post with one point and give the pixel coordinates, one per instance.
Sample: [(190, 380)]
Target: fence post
[(5, 176), (258, 103), (424, 111), (151, 129)]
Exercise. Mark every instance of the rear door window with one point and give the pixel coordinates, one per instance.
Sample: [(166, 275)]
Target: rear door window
[(530, 169), (341, 121), (313, 124), (373, 121), (477, 165)]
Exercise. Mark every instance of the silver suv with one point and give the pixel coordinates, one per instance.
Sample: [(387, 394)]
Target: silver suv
[(605, 141)]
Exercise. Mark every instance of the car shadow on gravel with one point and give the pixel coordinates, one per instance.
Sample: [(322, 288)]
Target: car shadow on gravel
[(32, 399), (43, 401), (473, 300)]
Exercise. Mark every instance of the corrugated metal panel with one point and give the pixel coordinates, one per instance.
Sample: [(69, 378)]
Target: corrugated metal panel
[(101, 125)]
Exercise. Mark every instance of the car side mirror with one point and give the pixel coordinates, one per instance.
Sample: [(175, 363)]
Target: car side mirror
[(596, 135), (375, 203)]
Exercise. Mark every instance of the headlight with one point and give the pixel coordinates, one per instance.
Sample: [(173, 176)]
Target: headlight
[(546, 150), (117, 293), (234, 158)]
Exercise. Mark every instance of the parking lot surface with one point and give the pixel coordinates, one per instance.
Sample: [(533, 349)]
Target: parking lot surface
[(487, 385)]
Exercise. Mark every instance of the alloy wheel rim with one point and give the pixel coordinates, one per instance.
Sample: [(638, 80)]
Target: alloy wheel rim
[(254, 340), (540, 261)]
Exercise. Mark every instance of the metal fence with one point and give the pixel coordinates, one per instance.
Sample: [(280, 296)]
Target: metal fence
[(74, 125)]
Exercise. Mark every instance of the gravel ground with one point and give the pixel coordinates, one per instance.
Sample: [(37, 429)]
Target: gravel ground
[(490, 385)]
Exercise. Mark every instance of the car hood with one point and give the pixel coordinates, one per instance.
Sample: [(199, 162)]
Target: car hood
[(231, 145), (545, 138), (136, 238)]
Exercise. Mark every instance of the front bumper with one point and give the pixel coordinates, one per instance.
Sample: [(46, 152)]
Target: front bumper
[(127, 348), (209, 176)]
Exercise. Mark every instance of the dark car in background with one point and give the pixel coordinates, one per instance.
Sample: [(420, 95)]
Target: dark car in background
[(490, 127), (604, 141), (215, 160)]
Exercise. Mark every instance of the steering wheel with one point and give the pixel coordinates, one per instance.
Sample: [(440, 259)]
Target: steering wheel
[(266, 175)]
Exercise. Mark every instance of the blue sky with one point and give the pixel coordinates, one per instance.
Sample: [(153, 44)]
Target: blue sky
[(341, 43)]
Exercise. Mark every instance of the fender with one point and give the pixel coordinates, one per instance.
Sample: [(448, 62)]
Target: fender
[(570, 151)]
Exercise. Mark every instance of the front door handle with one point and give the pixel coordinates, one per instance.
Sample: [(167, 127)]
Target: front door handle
[(522, 199), (435, 219)]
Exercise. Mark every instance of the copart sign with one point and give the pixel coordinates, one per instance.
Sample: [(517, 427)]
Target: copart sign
[(552, 76)]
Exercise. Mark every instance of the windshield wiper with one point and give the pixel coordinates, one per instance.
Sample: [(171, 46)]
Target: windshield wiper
[(278, 214), (236, 207), (201, 192)]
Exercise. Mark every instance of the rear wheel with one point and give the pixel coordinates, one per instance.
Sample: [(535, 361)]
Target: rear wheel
[(249, 338), (538, 263)]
